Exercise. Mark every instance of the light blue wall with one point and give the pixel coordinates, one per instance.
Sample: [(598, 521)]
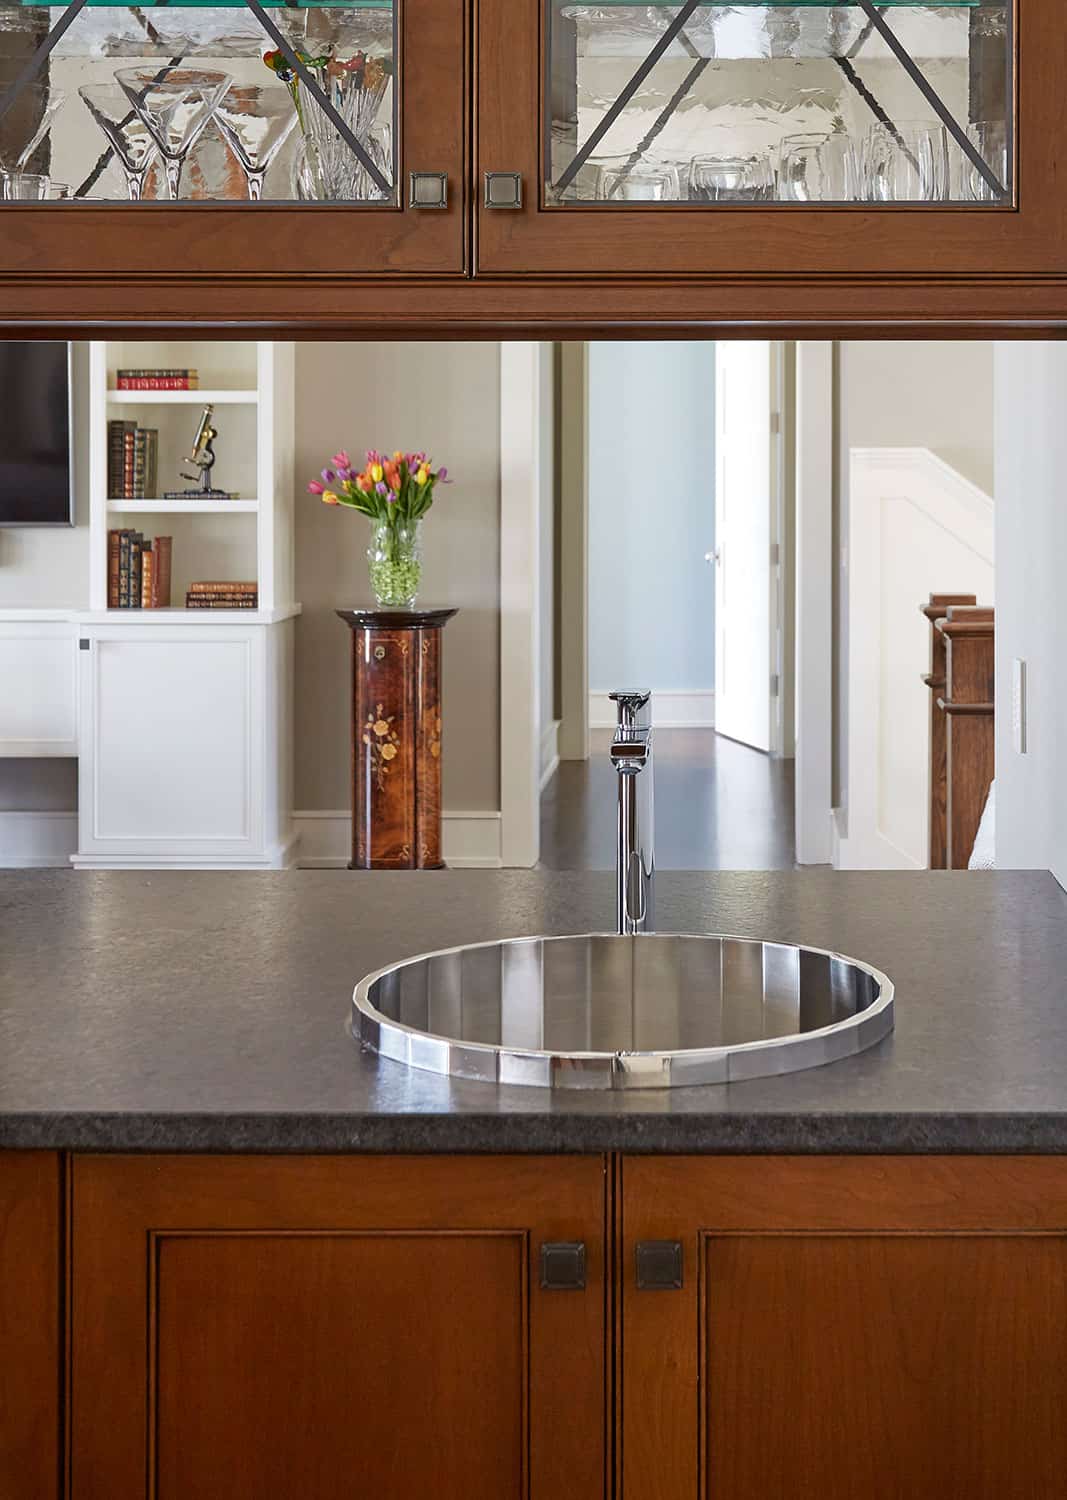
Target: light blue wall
[(651, 516)]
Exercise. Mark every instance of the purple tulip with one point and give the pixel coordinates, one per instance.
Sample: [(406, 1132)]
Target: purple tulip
[(328, 476), (442, 476), (381, 488)]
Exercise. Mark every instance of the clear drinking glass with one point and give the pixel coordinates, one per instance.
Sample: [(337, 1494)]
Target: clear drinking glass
[(906, 162), (990, 139), (24, 186), (819, 169), (730, 179), (130, 139), (175, 108), (638, 184), (255, 123)]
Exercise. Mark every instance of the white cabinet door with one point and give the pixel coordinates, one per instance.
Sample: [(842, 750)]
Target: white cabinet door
[(172, 762), (38, 701)]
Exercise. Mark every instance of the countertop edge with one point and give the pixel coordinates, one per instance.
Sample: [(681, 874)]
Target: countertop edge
[(523, 1134)]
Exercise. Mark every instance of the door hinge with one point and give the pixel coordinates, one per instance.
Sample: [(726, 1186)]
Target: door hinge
[(774, 684), (776, 555), (776, 423)]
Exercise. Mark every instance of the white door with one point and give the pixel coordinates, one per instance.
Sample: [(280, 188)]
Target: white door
[(745, 555)]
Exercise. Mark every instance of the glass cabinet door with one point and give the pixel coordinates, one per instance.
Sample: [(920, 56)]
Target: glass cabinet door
[(235, 108), (787, 139), (754, 103)]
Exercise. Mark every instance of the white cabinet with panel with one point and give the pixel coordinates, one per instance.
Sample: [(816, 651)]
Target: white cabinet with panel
[(180, 761), (38, 701)]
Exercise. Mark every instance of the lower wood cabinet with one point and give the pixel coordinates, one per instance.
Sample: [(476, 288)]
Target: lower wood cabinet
[(885, 1328), (810, 1328), (319, 1328)]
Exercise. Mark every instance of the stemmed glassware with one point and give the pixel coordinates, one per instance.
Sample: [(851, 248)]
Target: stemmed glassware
[(130, 138), (255, 123), (175, 106)]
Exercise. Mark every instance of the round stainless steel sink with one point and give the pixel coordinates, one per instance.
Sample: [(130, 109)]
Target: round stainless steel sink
[(603, 1012)]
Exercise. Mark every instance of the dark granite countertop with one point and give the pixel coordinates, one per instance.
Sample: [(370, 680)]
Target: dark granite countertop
[(201, 1011)]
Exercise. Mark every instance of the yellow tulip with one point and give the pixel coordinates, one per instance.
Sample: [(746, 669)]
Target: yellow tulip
[(329, 498), (376, 473), (423, 474), (397, 456)]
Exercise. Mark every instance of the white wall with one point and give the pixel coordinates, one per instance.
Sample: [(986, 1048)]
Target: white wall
[(651, 456), (46, 567), (1031, 555), (902, 394)]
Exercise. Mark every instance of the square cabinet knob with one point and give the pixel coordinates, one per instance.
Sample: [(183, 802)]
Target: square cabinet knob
[(428, 190), (503, 190), (563, 1266)]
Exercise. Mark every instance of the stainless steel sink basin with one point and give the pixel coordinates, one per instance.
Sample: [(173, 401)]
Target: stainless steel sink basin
[(608, 1012)]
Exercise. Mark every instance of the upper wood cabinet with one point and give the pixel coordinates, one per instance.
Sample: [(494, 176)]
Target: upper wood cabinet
[(161, 143), (444, 164), (771, 139), (325, 1327)]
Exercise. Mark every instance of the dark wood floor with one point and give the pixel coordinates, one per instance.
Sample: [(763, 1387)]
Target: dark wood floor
[(719, 806)]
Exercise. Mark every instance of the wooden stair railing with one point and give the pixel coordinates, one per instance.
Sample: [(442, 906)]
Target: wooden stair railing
[(962, 717), (936, 681)]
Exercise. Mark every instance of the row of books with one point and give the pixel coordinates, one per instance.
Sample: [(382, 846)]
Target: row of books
[(157, 380), (132, 461), (222, 595), (138, 570)]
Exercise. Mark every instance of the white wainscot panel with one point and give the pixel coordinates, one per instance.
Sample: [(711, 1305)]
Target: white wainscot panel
[(38, 698)]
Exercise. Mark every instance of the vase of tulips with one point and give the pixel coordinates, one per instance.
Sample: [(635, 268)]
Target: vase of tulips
[(394, 494)]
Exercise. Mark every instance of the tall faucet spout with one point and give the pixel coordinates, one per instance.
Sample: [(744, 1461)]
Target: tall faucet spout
[(631, 755)]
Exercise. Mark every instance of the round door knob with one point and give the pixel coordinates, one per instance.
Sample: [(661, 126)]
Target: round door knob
[(712, 557)]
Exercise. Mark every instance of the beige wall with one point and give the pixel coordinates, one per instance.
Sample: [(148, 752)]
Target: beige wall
[(443, 397), (925, 395)]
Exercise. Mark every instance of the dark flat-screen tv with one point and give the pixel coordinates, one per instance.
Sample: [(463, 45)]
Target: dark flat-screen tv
[(35, 468)]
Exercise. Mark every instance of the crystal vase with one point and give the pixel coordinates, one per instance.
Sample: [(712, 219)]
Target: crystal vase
[(326, 167), (395, 559)]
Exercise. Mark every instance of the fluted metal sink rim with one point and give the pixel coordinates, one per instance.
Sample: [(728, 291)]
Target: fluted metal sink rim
[(622, 1069)]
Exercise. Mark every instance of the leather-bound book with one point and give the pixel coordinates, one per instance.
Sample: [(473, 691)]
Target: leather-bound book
[(113, 570), (147, 575), (161, 572)]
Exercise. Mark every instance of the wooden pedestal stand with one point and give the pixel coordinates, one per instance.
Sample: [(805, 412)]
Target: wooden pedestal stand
[(396, 737)]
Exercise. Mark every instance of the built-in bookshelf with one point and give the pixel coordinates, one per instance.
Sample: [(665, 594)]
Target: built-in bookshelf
[(250, 386)]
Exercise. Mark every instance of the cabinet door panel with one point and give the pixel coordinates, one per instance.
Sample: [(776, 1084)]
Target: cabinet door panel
[(863, 1327), (324, 1327), (737, 85), (115, 87)]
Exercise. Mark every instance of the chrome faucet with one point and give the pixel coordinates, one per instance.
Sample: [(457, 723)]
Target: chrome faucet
[(631, 755)]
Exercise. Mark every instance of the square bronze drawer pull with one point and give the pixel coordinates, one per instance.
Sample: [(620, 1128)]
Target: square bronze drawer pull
[(428, 190)]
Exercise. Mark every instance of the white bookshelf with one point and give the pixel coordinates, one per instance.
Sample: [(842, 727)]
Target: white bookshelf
[(251, 387), (185, 715)]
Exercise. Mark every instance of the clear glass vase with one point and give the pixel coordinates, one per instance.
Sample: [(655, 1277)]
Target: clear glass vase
[(395, 559)]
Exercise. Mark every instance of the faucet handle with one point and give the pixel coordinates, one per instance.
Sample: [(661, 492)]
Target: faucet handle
[(632, 708)]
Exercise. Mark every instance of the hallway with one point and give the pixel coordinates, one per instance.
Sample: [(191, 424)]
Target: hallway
[(719, 806)]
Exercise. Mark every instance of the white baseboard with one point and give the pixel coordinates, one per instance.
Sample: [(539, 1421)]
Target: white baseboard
[(470, 840), (37, 840), (280, 856), (670, 710), (549, 752)]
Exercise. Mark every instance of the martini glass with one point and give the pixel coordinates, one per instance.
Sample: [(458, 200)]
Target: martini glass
[(175, 106), (255, 123), (133, 145)]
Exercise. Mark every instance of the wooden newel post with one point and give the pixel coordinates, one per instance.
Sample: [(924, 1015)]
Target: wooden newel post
[(936, 681), (969, 712), (396, 737)]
